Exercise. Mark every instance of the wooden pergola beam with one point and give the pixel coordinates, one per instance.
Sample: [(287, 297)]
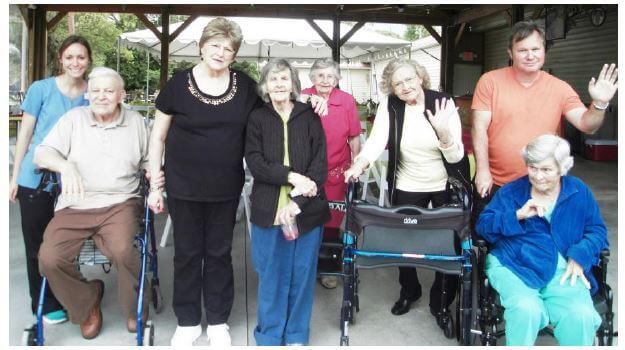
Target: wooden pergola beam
[(320, 31), (149, 25), (54, 21), (433, 33), (182, 27), (459, 34), (478, 12), (297, 11), (351, 32)]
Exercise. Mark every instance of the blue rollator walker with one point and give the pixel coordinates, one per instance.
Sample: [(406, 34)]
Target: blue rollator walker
[(91, 255), (411, 236)]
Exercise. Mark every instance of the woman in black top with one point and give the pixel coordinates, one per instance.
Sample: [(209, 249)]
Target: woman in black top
[(286, 152), (201, 117)]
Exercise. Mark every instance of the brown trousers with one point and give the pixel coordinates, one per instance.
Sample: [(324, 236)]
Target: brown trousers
[(113, 230)]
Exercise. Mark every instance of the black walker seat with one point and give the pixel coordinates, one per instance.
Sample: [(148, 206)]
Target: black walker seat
[(90, 255), (411, 236)]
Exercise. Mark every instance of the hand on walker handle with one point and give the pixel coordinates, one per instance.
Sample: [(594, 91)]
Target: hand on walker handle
[(359, 166), (156, 202)]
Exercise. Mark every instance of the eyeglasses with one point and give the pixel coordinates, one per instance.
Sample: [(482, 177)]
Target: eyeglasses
[(405, 82), (227, 51)]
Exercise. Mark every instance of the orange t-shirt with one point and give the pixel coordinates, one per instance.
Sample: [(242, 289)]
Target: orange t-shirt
[(518, 115)]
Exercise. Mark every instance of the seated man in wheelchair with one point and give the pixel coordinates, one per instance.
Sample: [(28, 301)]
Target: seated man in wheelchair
[(98, 150), (545, 232)]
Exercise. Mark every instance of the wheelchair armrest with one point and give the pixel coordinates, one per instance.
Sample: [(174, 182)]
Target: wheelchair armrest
[(482, 247), (604, 260), (480, 243)]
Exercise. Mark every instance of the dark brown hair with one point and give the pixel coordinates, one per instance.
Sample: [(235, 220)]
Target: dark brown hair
[(74, 39), (524, 29)]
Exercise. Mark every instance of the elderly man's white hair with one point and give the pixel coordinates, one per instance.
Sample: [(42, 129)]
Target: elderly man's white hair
[(547, 146), (99, 72)]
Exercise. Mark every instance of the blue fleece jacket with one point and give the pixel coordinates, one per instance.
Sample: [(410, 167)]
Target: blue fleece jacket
[(530, 247)]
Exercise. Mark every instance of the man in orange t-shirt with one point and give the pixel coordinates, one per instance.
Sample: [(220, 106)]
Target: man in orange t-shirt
[(513, 105)]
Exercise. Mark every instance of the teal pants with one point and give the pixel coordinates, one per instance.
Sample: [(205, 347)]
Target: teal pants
[(568, 308)]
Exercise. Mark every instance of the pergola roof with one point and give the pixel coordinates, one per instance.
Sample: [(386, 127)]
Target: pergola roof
[(266, 37), (452, 18), (426, 14)]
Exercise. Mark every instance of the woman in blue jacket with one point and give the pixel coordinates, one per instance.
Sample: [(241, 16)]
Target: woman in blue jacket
[(546, 232)]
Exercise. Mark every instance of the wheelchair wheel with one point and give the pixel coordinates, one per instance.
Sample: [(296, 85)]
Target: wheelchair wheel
[(157, 299), (467, 301), (605, 334), (29, 337), (148, 334)]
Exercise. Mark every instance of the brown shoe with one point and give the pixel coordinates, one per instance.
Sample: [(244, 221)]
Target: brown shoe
[(90, 328), (131, 324)]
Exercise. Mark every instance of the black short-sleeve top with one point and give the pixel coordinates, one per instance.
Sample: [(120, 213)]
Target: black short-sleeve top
[(205, 142)]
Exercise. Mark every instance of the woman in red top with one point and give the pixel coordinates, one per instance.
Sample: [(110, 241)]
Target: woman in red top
[(342, 130)]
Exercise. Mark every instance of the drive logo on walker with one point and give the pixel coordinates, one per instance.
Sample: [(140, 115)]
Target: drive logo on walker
[(410, 221)]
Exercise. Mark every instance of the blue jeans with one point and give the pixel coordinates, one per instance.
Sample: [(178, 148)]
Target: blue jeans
[(286, 282)]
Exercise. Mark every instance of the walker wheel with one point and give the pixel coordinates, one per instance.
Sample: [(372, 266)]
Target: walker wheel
[(448, 329), (157, 299), (344, 341), (29, 337), (148, 333)]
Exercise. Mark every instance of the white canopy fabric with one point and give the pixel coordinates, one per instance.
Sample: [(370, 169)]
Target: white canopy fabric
[(293, 39)]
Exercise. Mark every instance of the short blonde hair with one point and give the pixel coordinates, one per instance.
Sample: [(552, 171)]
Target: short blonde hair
[(223, 28), (278, 65), (396, 63), (549, 146)]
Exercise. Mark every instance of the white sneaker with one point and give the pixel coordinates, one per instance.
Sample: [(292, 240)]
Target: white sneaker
[(218, 335), (186, 336)]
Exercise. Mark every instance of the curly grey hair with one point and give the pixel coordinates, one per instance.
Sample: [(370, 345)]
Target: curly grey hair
[(549, 146), (386, 84), (323, 63), (278, 65)]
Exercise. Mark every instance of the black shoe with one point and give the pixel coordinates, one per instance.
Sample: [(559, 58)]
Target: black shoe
[(402, 305)]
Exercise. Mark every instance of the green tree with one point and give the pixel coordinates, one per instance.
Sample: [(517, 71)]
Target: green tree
[(415, 32), (102, 30), (250, 68)]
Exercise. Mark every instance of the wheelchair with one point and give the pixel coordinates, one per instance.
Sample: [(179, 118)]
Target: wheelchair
[(377, 237), (145, 242), (490, 312)]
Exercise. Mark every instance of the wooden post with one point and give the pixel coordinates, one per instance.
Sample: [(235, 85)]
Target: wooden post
[(40, 36), (518, 13), (164, 47), (446, 58), (336, 39)]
